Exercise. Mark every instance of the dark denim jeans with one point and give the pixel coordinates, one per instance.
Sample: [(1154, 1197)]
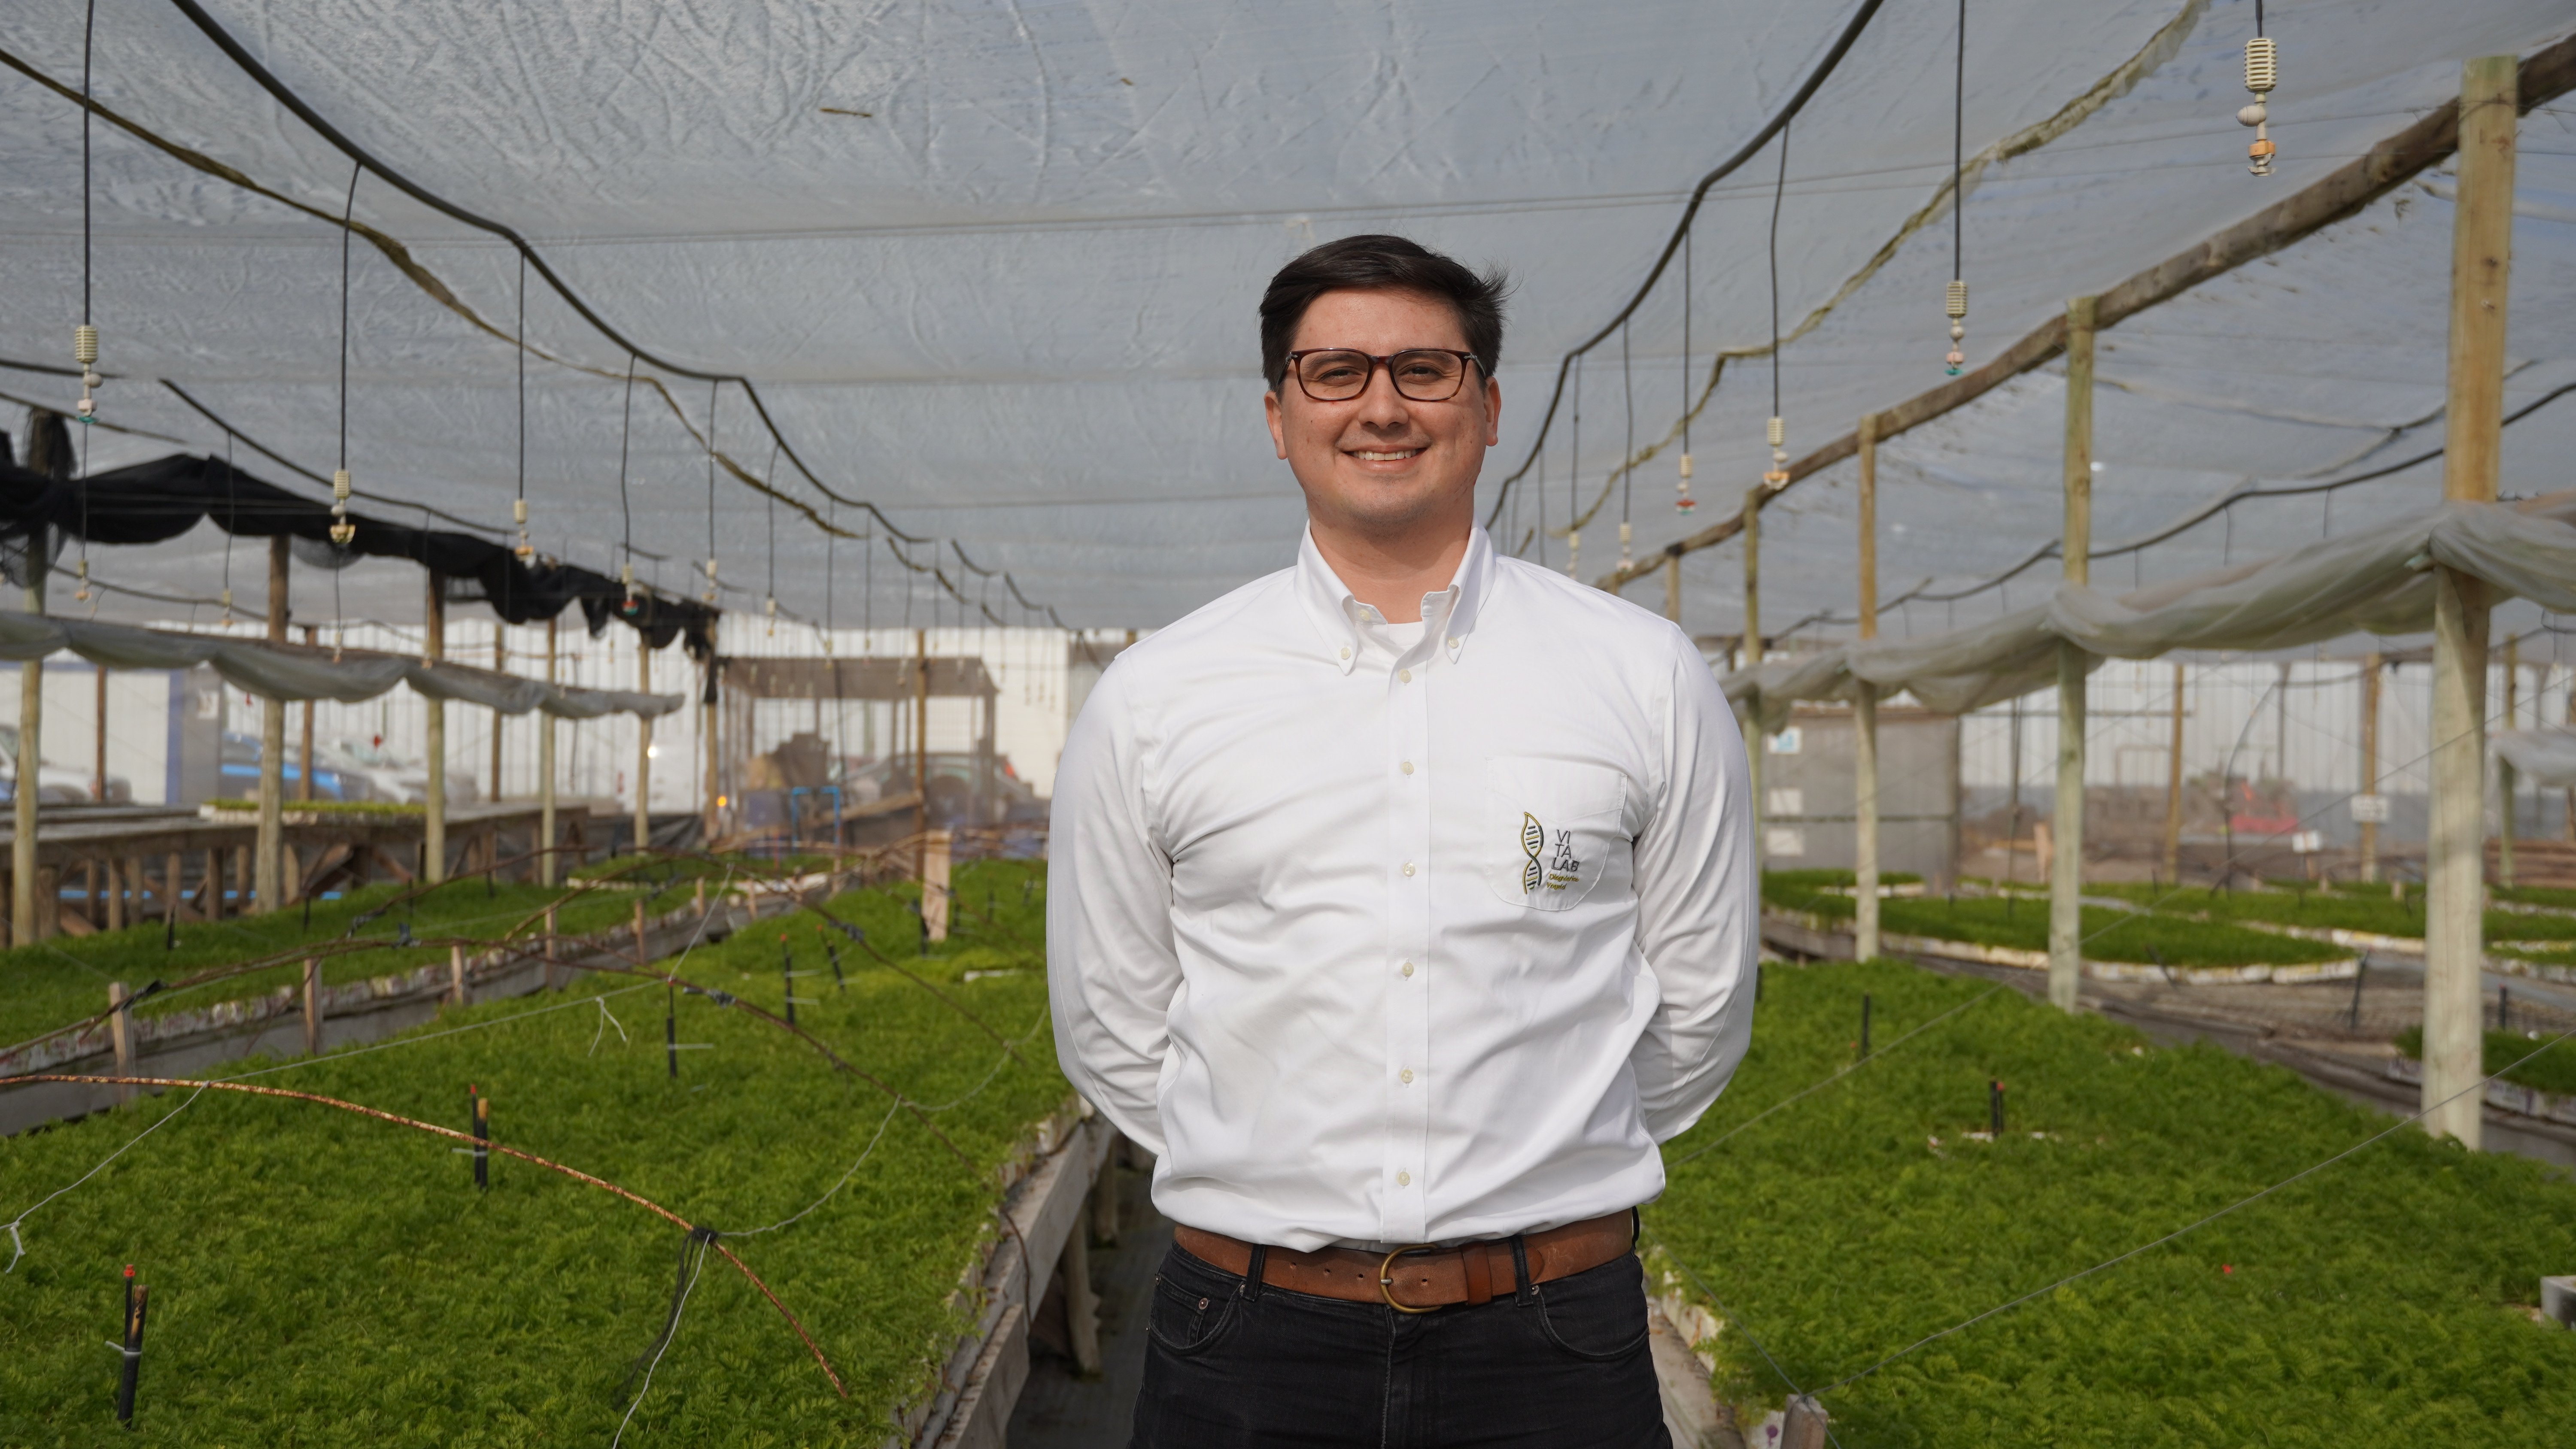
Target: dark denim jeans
[(1234, 1363)]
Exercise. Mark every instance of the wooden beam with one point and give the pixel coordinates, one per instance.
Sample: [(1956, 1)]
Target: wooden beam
[(2544, 75)]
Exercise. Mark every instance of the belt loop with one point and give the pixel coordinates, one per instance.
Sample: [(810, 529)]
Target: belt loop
[(1522, 1289), (1252, 1271)]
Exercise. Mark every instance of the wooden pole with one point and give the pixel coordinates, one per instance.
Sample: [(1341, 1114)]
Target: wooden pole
[(2066, 870), (268, 859), (2370, 765), (546, 869), (1865, 712), (643, 748), (2505, 776), (1751, 655), (304, 762), (312, 1005), (2173, 788), (2454, 888), (921, 751), (98, 737), (433, 854), (1673, 587)]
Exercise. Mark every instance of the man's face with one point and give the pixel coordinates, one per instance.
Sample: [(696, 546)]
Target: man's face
[(1381, 462)]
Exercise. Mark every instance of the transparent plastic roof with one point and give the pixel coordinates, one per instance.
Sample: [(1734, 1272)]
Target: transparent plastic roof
[(993, 269)]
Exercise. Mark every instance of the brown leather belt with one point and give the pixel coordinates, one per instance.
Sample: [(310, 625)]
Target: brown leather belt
[(1418, 1280)]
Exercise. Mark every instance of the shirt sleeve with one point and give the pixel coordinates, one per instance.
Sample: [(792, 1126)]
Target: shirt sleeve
[(1698, 916), (1111, 967)]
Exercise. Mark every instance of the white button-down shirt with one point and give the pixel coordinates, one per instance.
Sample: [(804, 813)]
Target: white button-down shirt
[(1377, 935)]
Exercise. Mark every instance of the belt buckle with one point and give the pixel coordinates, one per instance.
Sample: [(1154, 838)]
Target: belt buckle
[(1386, 1278)]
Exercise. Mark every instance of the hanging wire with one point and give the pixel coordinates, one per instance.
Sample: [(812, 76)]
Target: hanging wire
[(1627, 475), (1954, 302), (232, 519), (518, 505), (625, 503), (1573, 473), (85, 335), (712, 385), (770, 605), (1682, 502), (342, 530), (1778, 433)]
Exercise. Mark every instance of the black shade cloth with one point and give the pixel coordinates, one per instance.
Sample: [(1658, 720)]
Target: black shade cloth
[(162, 499)]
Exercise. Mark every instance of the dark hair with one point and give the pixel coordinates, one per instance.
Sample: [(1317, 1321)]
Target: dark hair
[(1380, 264)]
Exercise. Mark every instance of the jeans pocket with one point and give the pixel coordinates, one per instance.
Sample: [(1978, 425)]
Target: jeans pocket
[(1599, 1314), (1184, 1321)]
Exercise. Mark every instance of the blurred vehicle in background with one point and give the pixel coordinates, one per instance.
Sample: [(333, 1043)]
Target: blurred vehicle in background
[(55, 784), (241, 771), (368, 771)]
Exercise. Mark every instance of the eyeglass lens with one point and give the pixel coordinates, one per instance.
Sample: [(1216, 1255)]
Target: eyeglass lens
[(1340, 375)]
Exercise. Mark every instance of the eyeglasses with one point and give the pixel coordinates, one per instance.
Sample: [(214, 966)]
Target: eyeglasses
[(1422, 374)]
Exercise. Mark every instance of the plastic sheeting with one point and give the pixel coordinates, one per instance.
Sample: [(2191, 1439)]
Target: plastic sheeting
[(2375, 580), (994, 267), (297, 672), (2546, 758)]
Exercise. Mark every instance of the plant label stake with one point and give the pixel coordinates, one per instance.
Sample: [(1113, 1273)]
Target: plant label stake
[(787, 975), (1864, 1023), (482, 1137), (2504, 1008), (839, 982), (137, 1297), (1995, 1109)]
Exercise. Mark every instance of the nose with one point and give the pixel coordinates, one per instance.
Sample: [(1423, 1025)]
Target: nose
[(1380, 406)]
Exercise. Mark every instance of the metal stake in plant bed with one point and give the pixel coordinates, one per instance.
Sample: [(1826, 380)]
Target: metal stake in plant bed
[(671, 1029), (787, 975), (482, 1106), (839, 982), (1995, 1109), (137, 1298), (1864, 1023), (2360, 972)]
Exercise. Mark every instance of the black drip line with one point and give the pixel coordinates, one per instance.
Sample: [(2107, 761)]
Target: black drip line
[(1574, 473), (348, 212), (523, 371), (89, 31), (711, 489), (1627, 475), (1687, 234), (1958, 144), (625, 434), (1779, 191), (831, 613)]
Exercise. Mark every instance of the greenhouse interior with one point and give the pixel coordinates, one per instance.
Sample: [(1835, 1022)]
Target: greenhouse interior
[(511, 515)]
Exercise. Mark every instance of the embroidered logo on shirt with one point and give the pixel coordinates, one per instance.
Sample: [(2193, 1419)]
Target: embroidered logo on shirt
[(1564, 869), (1533, 838)]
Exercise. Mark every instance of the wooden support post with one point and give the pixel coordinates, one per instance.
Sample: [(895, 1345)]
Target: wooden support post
[(1081, 1304), (433, 628), (1865, 712), (456, 975), (120, 1030), (1673, 587), (2454, 870), (2173, 788), (935, 893), (547, 871), (2066, 872), (98, 737), (500, 665), (643, 749), (265, 892), (2506, 783), (921, 750), (707, 732), (1749, 654), (304, 759), (312, 1006), (2370, 765), (642, 955), (24, 925), (116, 874)]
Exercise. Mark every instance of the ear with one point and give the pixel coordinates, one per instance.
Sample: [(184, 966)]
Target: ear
[(1493, 412), (1278, 424)]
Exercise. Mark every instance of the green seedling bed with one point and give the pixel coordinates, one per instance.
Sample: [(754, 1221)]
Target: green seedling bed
[(2109, 935), (320, 1278), (2384, 1301), (2553, 1070)]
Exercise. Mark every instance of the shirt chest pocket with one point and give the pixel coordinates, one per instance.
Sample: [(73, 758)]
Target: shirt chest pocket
[(1552, 830)]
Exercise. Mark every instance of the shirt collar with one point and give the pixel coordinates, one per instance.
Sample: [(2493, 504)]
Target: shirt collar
[(1449, 615)]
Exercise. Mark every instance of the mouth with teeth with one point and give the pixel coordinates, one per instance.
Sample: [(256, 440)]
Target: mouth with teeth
[(1398, 455)]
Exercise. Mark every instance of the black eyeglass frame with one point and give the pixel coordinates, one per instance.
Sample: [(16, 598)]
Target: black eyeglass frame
[(1468, 359)]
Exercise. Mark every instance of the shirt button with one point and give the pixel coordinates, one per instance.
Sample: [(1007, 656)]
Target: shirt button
[(1408, 868), (1406, 767), (1453, 643), (1405, 1076), (1404, 1179), (1404, 676), (1346, 651), (1406, 970)]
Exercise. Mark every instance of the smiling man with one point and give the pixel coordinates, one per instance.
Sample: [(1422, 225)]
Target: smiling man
[(1401, 903)]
